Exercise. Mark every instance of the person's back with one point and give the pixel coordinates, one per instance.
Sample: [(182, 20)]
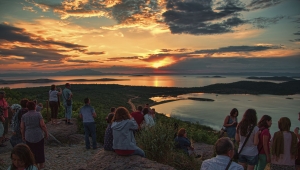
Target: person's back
[(33, 131), (87, 113), (138, 117)]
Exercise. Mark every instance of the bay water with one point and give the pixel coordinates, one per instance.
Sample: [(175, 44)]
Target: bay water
[(207, 113)]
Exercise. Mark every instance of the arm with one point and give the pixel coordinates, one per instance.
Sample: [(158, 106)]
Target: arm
[(256, 138), (226, 121), (134, 125), (44, 128), (296, 131), (60, 92), (23, 130), (237, 136), (147, 121), (94, 115), (80, 115), (266, 140)]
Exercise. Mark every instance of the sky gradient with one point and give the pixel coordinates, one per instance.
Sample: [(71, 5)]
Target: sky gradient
[(150, 36)]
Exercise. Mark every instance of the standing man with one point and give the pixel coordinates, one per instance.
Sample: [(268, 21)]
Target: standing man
[(87, 113), (67, 101), (4, 109)]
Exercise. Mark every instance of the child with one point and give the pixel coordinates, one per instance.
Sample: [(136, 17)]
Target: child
[(22, 158), (39, 106)]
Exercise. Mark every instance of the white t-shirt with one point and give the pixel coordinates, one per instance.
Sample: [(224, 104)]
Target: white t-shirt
[(249, 149), (53, 95)]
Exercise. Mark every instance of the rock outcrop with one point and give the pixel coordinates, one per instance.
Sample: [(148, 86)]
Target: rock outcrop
[(111, 161)]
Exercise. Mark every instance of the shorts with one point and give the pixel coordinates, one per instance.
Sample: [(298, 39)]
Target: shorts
[(250, 160)]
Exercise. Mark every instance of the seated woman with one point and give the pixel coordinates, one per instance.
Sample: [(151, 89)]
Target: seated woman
[(123, 126), (148, 118), (108, 138), (182, 142), (22, 158)]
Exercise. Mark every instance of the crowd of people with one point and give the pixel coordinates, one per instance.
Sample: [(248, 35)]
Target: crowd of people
[(256, 146)]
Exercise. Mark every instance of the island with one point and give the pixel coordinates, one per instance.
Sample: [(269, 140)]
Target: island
[(201, 99), (211, 77), (274, 78)]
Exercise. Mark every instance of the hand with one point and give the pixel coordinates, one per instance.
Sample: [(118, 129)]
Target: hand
[(296, 130), (46, 136)]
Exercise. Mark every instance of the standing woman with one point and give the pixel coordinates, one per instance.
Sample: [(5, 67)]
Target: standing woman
[(284, 146), (123, 126), (32, 128), (263, 146), (249, 154), (230, 123), (54, 103)]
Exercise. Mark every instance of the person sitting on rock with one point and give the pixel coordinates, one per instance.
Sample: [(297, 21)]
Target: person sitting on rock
[(225, 151), (108, 138), (182, 142), (123, 126)]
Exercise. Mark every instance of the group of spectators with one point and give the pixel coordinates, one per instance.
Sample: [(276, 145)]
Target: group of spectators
[(256, 148), (122, 127)]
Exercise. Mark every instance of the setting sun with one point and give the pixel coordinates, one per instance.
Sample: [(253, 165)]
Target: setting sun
[(163, 62)]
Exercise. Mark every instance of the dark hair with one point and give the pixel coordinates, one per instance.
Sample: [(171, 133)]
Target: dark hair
[(233, 111), (249, 119), (25, 155), (181, 132), (67, 85), (52, 87), (145, 111), (35, 101), (110, 117), (263, 121), (223, 145), (121, 114), (86, 100), (284, 124), (24, 102), (112, 109), (31, 105), (140, 108)]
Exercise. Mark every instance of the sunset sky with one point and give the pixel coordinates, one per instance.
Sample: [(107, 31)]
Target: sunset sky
[(150, 36)]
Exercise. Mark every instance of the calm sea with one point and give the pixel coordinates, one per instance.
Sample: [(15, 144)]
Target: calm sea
[(207, 113)]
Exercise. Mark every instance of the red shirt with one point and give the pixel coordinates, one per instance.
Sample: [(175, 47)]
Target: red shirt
[(4, 104), (124, 152), (265, 132), (138, 117)]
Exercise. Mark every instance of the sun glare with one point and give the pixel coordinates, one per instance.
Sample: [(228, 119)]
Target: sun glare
[(163, 62)]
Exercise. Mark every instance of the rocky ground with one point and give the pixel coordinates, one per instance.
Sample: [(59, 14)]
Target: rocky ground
[(67, 151)]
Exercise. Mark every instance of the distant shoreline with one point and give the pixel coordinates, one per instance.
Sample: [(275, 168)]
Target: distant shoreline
[(274, 78), (51, 80)]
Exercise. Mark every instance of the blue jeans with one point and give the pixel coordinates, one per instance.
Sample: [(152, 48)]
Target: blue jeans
[(90, 129), (250, 160), (68, 111), (139, 152)]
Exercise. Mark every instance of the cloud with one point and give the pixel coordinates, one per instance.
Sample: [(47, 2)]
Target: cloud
[(295, 40), (261, 4), (297, 33), (243, 48), (15, 34), (83, 61), (199, 17), (124, 58), (95, 53), (263, 22), (174, 50)]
